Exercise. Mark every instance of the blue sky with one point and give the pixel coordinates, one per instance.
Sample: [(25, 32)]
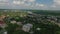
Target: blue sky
[(45, 1), (30, 4)]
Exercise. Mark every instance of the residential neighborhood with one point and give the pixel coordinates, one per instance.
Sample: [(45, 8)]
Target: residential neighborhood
[(32, 23), (29, 16)]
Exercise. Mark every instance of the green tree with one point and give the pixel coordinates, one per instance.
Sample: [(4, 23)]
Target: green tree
[(11, 28), (20, 32), (46, 28)]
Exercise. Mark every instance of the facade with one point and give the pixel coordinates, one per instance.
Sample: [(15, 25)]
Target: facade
[(27, 27), (2, 24)]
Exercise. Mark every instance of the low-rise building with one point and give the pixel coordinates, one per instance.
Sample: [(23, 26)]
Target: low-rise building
[(27, 27), (13, 22), (19, 23), (2, 24)]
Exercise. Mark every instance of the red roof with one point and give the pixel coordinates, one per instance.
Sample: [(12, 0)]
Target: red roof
[(1, 22)]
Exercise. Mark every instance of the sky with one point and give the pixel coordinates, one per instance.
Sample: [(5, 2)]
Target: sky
[(30, 4)]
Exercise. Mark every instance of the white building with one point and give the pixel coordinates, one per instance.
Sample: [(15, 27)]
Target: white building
[(5, 32), (29, 12), (27, 27), (38, 29), (13, 22), (19, 23)]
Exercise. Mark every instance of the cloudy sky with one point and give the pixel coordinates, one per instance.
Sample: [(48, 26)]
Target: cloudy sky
[(30, 4)]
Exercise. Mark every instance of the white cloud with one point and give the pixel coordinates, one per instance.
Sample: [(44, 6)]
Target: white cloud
[(4, 2), (23, 3), (40, 5), (31, 0), (16, 2), (55, 5), (31, 3), (57, 1)]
